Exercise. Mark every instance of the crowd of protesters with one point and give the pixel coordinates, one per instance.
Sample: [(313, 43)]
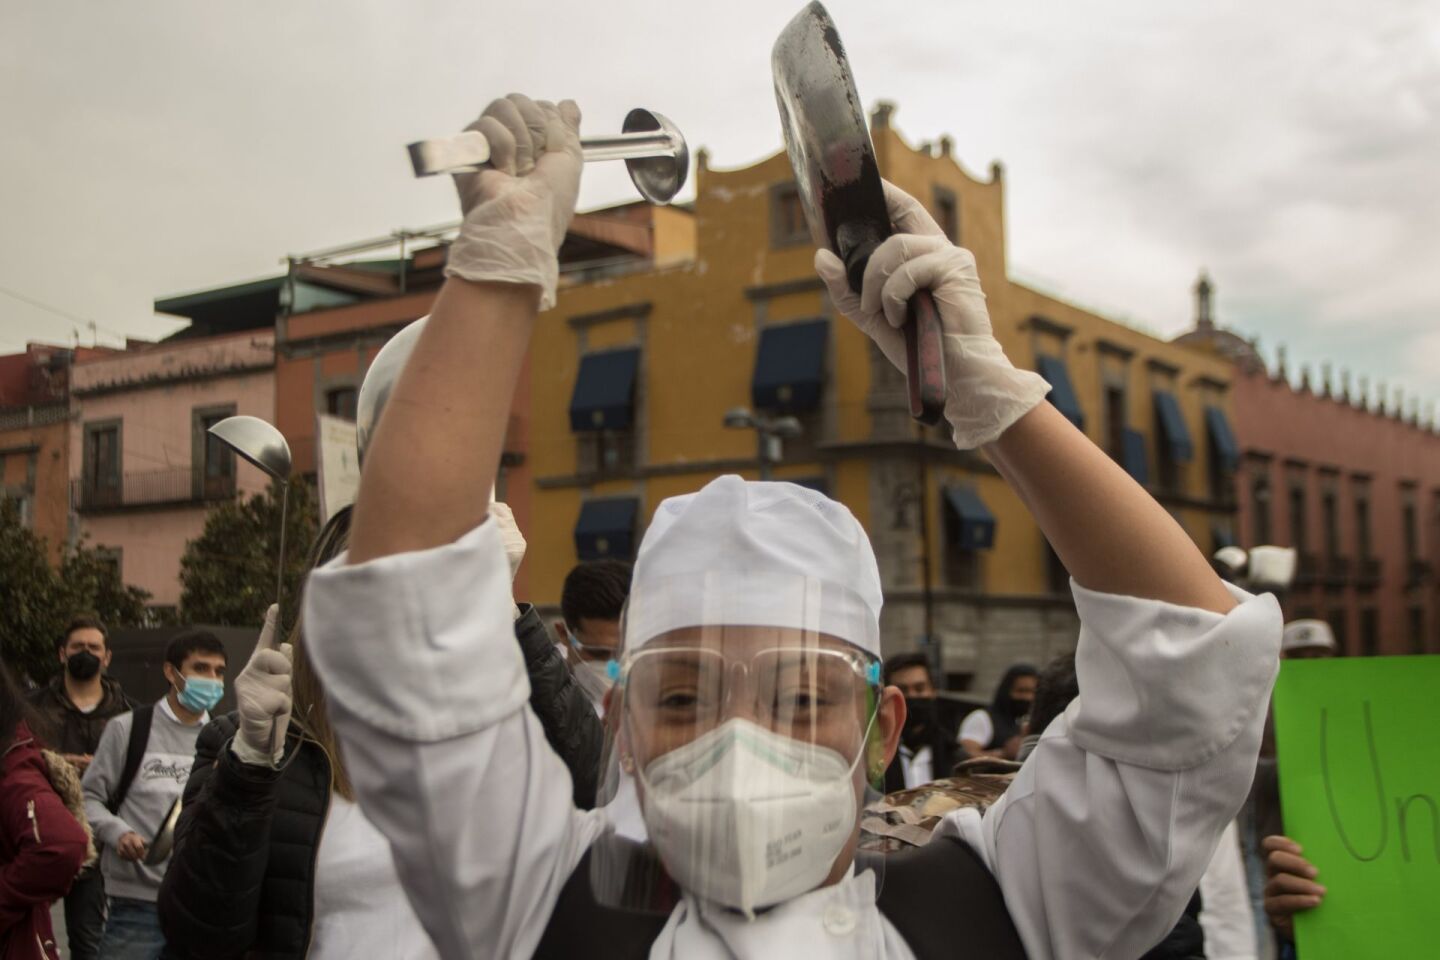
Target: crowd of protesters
[(420, 768)]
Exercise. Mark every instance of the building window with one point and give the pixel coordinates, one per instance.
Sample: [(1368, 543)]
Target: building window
[(1174, 446), (341, 402), (1115, 423), (1260, 504), (1410, 522), (947, 213), (213, 462), (1330, 517), (1224, 455), (969, 528), (1417, 630), (1362, 520), (787, 217), (1295, 495), (101, 464), (605, 528), (602, 412), (1369, 632), (1062, 392)]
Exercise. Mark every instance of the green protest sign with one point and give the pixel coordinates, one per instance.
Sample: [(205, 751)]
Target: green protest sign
[(1358, 746)]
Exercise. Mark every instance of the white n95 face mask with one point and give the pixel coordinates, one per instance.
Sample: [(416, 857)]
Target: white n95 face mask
[(748, 818)]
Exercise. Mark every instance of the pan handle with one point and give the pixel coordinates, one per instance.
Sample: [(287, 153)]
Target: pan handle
[(925, 359)]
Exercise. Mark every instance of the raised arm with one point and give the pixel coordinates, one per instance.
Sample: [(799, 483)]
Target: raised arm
[(413, 631), (1102, 837), (424, 480)]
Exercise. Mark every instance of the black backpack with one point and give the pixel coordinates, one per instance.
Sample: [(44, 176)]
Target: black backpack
[(134, 754)]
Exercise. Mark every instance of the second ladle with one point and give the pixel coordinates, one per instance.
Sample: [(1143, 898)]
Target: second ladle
[(652, 147)]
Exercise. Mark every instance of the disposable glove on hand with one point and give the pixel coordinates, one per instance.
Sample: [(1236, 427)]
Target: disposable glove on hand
[(262, 692), (510, 534), (984, 393), (518, 208)]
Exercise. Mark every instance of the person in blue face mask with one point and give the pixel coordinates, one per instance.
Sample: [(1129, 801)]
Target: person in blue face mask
[(139, 771)]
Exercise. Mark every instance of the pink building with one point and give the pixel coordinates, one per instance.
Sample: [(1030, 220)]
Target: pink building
[(143, 470), (1353, 485)]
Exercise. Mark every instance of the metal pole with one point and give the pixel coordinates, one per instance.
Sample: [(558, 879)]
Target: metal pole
[(764, 439), (927, 597), (280, 562)]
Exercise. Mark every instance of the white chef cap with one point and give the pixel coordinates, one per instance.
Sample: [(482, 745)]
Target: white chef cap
[(745, 553), (1300, 634)]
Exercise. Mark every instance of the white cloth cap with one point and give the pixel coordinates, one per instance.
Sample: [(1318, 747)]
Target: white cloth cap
[(1306, 633), (744, 553)]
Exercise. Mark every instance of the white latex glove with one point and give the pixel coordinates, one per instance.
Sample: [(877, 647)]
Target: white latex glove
[(984, 393), (262, 692), (509, 533), (518, 208)]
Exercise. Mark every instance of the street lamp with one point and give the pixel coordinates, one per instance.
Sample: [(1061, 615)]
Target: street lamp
[(770, 431)]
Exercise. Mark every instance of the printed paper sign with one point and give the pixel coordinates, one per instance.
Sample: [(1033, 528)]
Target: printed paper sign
[(1359, 761), (339, 462)]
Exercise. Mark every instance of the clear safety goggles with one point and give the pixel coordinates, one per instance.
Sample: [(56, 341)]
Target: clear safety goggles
[(802, 691)]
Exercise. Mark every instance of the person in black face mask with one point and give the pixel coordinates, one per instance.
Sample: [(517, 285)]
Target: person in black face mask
[(927, 747), (997, 731), (74, 708)]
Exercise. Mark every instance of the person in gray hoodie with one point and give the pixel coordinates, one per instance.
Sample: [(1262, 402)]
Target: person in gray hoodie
[(127, 815)]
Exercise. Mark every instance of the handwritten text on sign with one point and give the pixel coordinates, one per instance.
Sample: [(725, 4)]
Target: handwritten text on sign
[(1360, 785)]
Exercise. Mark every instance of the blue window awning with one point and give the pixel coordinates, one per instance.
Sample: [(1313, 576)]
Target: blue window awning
[(604, 396), (606, 528), (1173, 432), (790, 367), (1062, 393), (1134, 458), (1222, 439), (969, 523)]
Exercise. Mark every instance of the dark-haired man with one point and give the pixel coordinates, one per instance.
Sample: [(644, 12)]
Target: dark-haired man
[(591, 599), (74, 708), (127, 801), (927, 749)]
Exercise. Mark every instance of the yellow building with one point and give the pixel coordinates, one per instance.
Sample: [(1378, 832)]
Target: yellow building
[(635, 369)]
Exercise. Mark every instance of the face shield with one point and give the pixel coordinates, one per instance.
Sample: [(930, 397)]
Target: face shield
[(744, 725)]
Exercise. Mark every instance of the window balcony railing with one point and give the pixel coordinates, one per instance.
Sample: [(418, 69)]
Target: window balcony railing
[(153, 488), (1307, 570), (1337, 571), (1368, 576), (1417, 571)]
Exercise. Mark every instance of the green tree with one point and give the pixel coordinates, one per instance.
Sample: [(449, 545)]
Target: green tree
[(227, 574), (36, 600)]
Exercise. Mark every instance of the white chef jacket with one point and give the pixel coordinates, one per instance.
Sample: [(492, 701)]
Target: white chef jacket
[(1097, 845)]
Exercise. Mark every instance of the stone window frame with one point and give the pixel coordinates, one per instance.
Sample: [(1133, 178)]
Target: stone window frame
[(782, 233), (200, 441), (87, 463)]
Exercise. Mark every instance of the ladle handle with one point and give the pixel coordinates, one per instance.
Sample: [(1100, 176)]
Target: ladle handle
[(470, 150)]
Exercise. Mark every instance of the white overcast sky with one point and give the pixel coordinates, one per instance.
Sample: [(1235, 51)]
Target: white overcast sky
[(1290, 147)]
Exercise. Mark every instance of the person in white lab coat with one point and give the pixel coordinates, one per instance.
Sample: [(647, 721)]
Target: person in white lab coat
[(1095, 848)]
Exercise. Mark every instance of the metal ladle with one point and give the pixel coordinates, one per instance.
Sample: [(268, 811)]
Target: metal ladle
[(264, 446), (651, 146)]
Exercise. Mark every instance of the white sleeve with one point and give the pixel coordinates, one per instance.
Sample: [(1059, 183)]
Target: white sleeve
[(1101, 839), (427, 689), (1225, 912), (978, 727)]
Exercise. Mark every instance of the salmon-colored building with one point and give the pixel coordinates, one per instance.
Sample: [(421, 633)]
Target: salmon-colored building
[(143, 470), (34, 438), (1352, 485), (338, 307)]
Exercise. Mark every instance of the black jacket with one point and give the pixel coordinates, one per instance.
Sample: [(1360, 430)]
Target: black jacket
[(64, 728), (241, 880)]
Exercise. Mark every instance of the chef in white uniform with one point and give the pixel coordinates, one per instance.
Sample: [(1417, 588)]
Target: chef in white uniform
[(1098, 843)]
